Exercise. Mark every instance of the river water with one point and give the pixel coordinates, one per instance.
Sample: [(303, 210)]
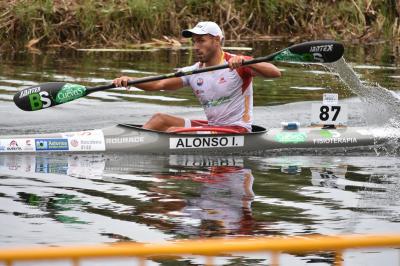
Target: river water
[(88, 199)]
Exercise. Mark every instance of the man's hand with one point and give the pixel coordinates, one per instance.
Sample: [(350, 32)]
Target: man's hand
[(236, 62), (122, 81)]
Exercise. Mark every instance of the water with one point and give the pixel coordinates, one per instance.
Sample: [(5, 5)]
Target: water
[(381, 104), (51, 199), (86, 199)]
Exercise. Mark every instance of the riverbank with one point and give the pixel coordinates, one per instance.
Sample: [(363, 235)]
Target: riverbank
[(33, 24)]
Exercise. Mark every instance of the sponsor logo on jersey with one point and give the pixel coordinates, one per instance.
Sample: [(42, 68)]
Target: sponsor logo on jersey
[(199, 82), (221, 80)]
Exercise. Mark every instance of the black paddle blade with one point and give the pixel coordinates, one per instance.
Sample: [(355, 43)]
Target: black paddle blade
[(312, 52), (48, 94)]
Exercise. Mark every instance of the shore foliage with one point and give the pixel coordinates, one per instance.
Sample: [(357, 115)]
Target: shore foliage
[(126, 23)]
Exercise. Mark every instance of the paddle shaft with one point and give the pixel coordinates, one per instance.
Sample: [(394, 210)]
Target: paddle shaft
[(183, 73)]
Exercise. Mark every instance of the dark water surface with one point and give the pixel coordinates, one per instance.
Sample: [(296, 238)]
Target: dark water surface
[(81, 199)]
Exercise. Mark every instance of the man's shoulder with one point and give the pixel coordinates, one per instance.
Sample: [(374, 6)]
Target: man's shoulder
[(190, 68), (228, 56)]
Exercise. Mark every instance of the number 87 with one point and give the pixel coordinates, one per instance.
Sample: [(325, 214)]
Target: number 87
[(324, 115)]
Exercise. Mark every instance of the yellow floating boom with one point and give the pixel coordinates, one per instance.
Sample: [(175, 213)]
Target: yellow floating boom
[(206, 247)]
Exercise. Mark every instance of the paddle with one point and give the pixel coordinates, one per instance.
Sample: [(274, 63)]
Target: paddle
[(54, 93)]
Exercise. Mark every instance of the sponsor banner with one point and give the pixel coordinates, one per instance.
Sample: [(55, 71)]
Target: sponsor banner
[(89, 140), (17, 145), (206, 142), (51, 144)]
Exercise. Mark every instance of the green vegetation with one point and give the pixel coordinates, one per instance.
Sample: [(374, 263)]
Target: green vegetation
[(125, 23)]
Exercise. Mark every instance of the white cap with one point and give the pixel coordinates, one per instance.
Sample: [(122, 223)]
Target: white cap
[(204, 27)]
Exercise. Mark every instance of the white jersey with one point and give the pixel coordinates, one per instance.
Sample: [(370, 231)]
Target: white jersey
[(226, 96)]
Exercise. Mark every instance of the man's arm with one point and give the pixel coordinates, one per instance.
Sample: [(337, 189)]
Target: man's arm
[(165, 84), (262, 69), (266, 70)]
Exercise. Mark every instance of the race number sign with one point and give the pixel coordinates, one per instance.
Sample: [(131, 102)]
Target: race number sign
[(329, 112)]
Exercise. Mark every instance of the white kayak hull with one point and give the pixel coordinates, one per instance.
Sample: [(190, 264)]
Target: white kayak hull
[(133, 139)]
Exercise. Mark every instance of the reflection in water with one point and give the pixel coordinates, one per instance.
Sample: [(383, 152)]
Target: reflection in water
[(53, 199), (52, 206), (221, 204), (362, 185), (186, 195)]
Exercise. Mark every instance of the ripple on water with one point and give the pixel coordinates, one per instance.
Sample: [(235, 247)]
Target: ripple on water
[(20, 82)]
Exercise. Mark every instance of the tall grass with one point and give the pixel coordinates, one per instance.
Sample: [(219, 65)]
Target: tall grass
[(120, 23)]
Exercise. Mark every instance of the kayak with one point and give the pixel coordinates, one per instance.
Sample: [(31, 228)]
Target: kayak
[(130, 138)]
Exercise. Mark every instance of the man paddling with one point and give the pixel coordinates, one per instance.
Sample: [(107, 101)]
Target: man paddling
[(226, 94)]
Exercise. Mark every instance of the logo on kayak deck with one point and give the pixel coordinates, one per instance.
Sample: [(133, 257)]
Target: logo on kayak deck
[(332, 137), (16, 145), (74, 143), (123, 140), (199, 81), (28, 145), (335, 141), (206, 142), (291, 137), (51, 144), (13, 146), (321, 48), (329, 133), (70, 92), (13, 143)]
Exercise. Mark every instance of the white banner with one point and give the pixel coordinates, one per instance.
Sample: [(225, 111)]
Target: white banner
[(206, 142)]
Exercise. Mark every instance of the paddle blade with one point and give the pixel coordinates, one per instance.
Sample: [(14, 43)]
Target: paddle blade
[(47, 95), (312, 52)]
